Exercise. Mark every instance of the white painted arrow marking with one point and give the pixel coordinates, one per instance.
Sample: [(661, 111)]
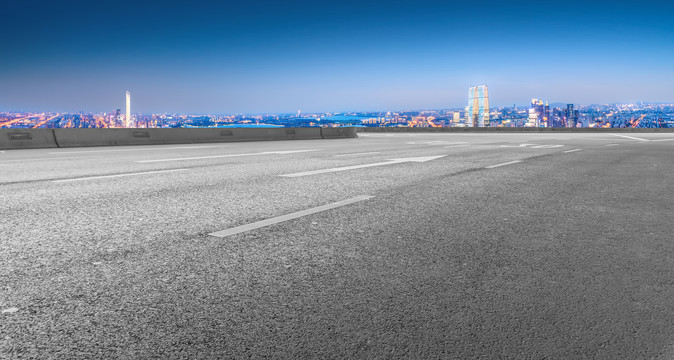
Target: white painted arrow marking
[(353, 167), (286, 152)]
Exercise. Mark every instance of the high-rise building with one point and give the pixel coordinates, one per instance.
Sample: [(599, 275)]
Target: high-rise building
[(538, 116), (571, 116), (128, 110), (118, 118), (456, 117), (477, 112)]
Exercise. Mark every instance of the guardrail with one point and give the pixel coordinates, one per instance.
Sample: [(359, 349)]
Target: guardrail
[(51, 138)]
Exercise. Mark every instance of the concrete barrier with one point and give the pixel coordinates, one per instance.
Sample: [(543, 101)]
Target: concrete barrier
[(113, 137), (102, 137), (50, 138), (26, 139), (338, 132), (505, 129)]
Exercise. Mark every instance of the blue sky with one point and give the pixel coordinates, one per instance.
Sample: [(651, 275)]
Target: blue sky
[(273, 56)]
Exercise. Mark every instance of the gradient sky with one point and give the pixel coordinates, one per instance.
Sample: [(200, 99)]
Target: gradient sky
[(262, 56)]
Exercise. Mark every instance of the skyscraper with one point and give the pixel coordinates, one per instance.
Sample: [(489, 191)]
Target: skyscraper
[(571, 116), (477, 113), (127, 121), (537, 113)]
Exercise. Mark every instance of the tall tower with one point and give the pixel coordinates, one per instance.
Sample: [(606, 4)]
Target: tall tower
[(478, 107), (128, 110)]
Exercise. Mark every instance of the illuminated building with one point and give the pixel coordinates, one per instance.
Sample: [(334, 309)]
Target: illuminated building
[(477, 112), (571, 116), (457, 117), (537, 114), (128, 110)]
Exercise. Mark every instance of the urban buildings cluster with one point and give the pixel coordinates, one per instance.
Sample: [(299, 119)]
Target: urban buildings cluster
[(477, 113)]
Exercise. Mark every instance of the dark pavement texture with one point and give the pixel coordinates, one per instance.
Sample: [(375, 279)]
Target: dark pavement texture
[(563, 255)]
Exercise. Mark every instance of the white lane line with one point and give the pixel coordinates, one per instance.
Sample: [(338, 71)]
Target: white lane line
[(51, 158), (134, 149), (353, 167), (611, 145), (570, 151), (663, 140), (631, 137), (228, 155), (503, 164), (291, 216), (118, 175), (520, 145), (357, 154), (453, 146)]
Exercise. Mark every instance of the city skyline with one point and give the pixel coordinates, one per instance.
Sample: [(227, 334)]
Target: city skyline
[(266, 57), (537, 114)]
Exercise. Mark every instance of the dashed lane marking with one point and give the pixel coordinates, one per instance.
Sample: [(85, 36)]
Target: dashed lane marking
[(631, 137), (503, 164), (573, 150), (358, 154), (611, 145), (228, 155), (520, 145), (118, 175), (51, 158), (291, 216)]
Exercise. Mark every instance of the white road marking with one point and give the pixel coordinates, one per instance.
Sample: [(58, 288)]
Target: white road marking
[(291, 216), (145, 148), (353, 167), (52, 158), (229, 155), (611, 145), (631, 137), (520, 145), (118, 175), (663, 140), (453, 146), (570, 151), (357, 154), (434, 142), (503, 164), (546, 146)]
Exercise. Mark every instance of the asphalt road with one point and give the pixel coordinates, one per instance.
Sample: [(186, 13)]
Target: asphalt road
[(512, 246)]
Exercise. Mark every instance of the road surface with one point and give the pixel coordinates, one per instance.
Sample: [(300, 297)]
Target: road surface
[(541, 245)]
